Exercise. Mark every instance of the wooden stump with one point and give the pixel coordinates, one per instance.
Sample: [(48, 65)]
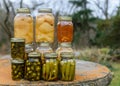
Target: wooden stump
[(87, 74)]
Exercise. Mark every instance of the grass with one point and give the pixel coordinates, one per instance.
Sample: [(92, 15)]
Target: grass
[(116, 70)]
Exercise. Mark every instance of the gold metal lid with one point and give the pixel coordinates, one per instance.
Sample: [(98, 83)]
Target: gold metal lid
[(50, 55), (65, 18), (67, 55), (17, 40), (23, 10), (34, 54), (46, 10)]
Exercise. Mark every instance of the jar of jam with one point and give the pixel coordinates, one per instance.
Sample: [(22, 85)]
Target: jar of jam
[(50, 67), (17, 67), (33, 67), (23, 25), (44, 48), (64, 47), (65, 29), (67, 66), (17, 48), (45, 26)]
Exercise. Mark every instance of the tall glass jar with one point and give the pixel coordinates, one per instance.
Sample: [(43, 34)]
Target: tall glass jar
[(33, 67), (50, 67), (44, 48), (65, 29), (64, 47), (45, 26), (23, 25), (67, 66), (17, 48)]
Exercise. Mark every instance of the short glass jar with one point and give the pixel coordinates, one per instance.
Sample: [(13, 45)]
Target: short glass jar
[(17, 67), (50, 67), (33, 67)]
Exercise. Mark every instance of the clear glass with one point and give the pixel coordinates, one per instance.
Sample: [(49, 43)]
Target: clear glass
[(23, 27), (28, 49), (44, 27)]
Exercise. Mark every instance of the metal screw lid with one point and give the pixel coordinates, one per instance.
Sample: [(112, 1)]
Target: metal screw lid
[(68, 55), (65, 44), (17, 61), (23, 10), (34, 54), (45, 10), (17, 40), (65, 18), (50, 55)]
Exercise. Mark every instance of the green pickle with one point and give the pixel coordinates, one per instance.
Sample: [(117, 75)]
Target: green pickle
[(50, 67), (17, 48), (33, 67), (17, 69), (67, 67)]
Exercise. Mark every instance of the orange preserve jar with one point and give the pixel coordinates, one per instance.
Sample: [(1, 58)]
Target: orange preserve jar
[(45, 26), (65, 29), (23, 25)]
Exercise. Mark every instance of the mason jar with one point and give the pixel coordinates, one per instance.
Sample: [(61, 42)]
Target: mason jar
[(17, 48), (17, 67), (67, 66), (64, 47), (28, 49), (23, 25), (50, 67), (45, 25), (33, 67), (65, 29), (43, 48)]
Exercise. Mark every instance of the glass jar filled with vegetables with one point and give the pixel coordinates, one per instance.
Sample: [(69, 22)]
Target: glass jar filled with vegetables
[(67, 66), (64, 47), (28, 49), (17, 67), (65, 29), (45, 25), (23, 25), (50, 67), (43, 48), (17, 48), (33, 67)]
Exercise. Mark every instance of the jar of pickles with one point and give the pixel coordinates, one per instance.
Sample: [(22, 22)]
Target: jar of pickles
[(45, 26), (17, 48), (65, 29), (28, 49), (67, 66), (43, 48), (33, 67), (64, 47), (50, 67), (17, 67), (23, 25)]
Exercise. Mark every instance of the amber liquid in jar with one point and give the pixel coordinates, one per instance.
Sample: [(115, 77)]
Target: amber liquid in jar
[(65, 29), (45, 26), (23, 25)]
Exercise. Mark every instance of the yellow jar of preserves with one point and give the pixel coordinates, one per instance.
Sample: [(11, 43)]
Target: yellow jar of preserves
[(45, 26), (23, 25)]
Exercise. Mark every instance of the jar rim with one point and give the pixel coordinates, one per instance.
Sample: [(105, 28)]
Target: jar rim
[(67, 54), (34, 54), (23, 10), (18, 61), (65, 18), (65, 44), (17, 40), (50, 55), (46, 10)]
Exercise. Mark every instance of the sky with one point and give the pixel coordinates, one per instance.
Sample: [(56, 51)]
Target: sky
[(61, 5)]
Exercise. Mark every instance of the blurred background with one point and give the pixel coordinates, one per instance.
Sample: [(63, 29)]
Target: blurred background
[(96, 27)]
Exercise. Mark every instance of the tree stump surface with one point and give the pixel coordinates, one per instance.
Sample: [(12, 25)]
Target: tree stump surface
[(87, 74)]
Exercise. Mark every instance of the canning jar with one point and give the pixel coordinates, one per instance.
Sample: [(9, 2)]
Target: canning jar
[(17, 67), (33, 67), (65, 29), (23, 25), (43, 48), (50, 67), (17, 48), (67, 66), (45, 26), (28, 49), (64, 47)]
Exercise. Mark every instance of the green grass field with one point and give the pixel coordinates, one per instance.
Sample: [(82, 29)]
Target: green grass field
[(116, 70)]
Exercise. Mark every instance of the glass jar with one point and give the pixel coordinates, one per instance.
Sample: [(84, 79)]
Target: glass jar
[(50, 67), (17, 48), (33, 67), (65, 29), (23, 25), (67, 67), (17, 67), (45, 26), (43, 48), (28, 49), (64, 47)]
